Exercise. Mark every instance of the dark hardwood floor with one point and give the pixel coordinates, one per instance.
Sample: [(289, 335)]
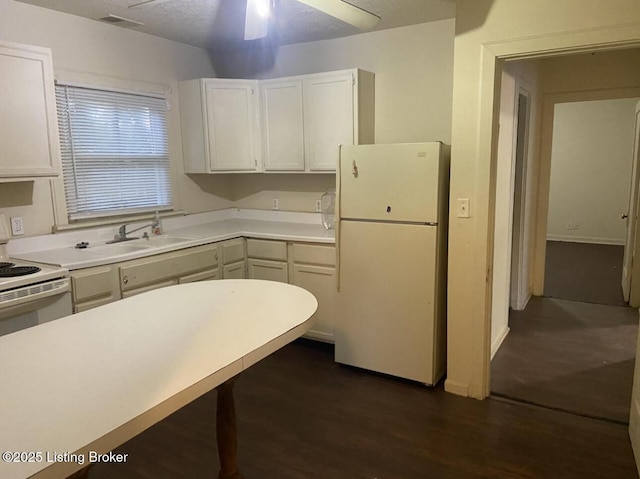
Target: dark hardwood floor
[(574, 350), (569, 355), (585, 272), (300, 415)]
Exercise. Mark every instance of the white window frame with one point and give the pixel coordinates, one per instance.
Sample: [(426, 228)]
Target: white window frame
[(101, 82)]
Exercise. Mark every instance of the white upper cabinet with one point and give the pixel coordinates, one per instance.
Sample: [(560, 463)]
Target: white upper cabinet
[(282, 125), (29, 142), (306, 118), (220, 125), (302, 122), (329, 119)]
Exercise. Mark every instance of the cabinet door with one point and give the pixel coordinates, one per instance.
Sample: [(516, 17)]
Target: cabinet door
[(328, 118), (269, 270), (232, 120), (202, 276), (321, 282), (282, 127), (28, 122), (233, 270)]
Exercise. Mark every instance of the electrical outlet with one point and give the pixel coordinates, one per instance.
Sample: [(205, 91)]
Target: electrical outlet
[(275, 205), (17, 228), (318, 206)]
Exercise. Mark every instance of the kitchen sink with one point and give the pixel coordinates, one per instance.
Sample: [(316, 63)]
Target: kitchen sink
[(162, 240), (117, 248)]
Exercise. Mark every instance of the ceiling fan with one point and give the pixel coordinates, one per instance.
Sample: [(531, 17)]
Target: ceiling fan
[(258, 12)]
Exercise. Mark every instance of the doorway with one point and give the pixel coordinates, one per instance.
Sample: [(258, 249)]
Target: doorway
[(564, 353)]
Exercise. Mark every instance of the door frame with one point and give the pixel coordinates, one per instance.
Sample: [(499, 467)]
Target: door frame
[(471, 377), (630, 245)]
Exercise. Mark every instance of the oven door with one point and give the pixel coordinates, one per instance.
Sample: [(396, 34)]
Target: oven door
[(28, 306)]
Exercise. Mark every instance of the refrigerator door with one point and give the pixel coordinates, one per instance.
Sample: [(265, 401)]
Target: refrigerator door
[(385, 303), (391, 182)]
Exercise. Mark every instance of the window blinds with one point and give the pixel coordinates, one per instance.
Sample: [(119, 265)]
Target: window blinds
[(115, 157)]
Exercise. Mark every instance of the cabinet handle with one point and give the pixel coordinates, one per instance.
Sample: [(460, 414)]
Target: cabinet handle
[(125, 279)]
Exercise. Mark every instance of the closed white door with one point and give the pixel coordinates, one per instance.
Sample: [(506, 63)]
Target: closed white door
[(328, 119), (321, 282)]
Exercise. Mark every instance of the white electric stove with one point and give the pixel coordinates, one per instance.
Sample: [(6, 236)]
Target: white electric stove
[(30, 294)]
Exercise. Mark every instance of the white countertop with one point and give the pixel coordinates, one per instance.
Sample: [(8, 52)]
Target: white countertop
[(193, 230), (93, 380)]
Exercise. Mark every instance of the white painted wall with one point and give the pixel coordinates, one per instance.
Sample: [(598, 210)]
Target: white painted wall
[(111, 54), (591, 170), (413, 68)]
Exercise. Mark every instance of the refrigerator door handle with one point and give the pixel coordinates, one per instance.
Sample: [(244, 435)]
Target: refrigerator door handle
[(354, 169)]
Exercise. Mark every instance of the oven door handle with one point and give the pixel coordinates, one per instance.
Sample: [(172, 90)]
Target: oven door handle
[(26, 294)]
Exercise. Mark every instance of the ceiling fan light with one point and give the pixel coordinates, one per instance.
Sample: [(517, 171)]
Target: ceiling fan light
[(256, 23)]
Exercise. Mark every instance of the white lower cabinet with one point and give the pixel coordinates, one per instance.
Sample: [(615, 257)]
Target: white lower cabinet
[(234, 270), (233, 257), (313, 267), (92, 287), (268, 270), (310, 266), (321, 282)]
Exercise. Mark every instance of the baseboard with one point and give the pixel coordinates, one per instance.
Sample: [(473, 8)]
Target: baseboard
[(586, 239), (455, 387), (498, 342)]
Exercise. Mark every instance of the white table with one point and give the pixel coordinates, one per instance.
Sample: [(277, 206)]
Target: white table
[(93, 380)]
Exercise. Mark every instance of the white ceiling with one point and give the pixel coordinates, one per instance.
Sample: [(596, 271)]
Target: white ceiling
[(219, 24)]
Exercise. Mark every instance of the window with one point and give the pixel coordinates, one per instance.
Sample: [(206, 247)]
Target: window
[(115, 157)]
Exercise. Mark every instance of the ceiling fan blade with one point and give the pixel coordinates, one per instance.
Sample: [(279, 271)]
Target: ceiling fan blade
[(146, 2), (256, 21), (346, 12)]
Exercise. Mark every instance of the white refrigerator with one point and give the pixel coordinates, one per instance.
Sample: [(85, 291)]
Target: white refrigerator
[(391, 238)]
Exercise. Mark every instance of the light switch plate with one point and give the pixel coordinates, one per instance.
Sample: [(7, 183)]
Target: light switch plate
[(17, 227), (463, 208)]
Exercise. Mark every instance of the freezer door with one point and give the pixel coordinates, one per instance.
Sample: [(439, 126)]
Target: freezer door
[(385, 304), (390, 182)]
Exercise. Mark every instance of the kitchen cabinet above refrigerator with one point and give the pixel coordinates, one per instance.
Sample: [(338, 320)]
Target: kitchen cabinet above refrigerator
[(30, 146), (296, 126)]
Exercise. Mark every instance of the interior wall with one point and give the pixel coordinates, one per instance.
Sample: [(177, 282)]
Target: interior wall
[(591, 171), (413, 69), (487, 30), (84, 46)]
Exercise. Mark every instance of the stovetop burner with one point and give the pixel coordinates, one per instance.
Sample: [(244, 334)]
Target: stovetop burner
[(11, 271), (5, 265)]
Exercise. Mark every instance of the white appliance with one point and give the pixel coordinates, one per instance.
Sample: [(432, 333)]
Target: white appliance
[(30, 294), (392, 209)]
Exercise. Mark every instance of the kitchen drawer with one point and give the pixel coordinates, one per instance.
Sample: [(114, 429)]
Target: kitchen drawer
[(92, 283), (151, 287), (232, 251), (314, 254), (202, 276), (79, 308), (137, 273), (266, 249)]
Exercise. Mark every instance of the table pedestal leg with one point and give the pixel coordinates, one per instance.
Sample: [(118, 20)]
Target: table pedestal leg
[(226, 432)]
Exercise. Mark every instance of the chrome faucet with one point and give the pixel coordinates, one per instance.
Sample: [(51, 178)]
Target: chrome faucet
[(122, 232)]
